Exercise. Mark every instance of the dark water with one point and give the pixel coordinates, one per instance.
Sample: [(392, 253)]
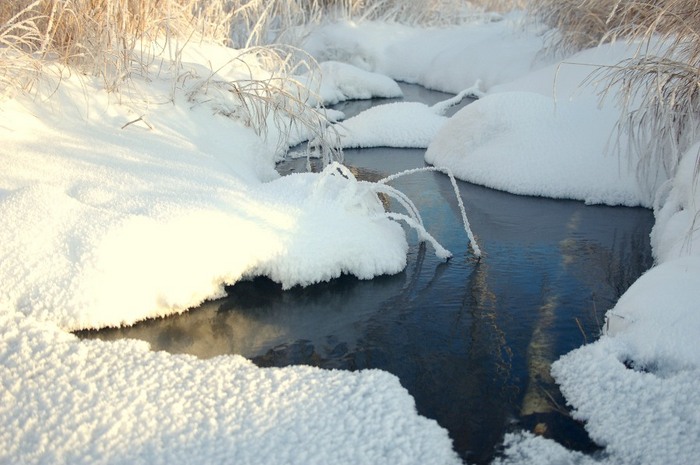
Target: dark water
[(471, 341)]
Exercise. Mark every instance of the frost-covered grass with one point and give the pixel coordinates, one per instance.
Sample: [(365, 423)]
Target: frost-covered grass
[(658, 87), (109, 38)]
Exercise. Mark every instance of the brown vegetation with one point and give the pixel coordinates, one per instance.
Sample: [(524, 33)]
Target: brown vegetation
[(94, 36)]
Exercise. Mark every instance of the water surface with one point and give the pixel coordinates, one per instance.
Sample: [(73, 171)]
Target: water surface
[(471, 340)]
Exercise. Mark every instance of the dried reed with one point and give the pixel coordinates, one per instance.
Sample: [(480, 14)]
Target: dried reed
[(94, 36), (657, 89)]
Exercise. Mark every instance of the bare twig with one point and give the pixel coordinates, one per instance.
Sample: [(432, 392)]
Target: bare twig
[(140, 118)]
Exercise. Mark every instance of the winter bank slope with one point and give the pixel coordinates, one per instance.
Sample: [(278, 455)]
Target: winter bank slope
[(538, 132), (112, 213)]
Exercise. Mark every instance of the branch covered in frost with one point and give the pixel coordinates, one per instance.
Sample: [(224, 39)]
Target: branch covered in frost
[(467, 228), (350, 195), (423, 234)]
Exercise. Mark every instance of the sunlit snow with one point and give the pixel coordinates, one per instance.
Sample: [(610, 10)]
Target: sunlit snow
[(113, 212)]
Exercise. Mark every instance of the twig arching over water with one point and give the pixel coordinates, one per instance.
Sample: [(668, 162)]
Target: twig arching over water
[(467, 228)]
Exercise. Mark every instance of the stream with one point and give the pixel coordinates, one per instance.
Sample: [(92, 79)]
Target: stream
[(471, 341)]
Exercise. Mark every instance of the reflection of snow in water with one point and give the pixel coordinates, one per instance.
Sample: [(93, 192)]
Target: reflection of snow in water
[(540, 355)]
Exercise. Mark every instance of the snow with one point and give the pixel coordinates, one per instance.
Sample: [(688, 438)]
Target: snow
[(91, 402), (541, 130), (400, 124), (675, 234), (581, 158), (338, 82), (495, 51), (119, 209), (639, 416), (491, 143), (672, 289)]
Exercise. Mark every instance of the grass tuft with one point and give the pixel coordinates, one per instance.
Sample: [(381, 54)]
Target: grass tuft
[(96, 37), (658, 90)]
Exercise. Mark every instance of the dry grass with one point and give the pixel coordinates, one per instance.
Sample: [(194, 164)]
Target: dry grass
[(94, 36), (658, 90), (114, 39), (275, 101), (578, 24), (587, 23), (100, 36), (260, 22)]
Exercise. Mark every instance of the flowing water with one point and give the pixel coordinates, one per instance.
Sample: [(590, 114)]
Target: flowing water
[(471, 341)]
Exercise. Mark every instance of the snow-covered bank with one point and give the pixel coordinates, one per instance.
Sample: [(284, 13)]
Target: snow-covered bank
[(496, 50), (546, 134), (70, 401), (115, 212)]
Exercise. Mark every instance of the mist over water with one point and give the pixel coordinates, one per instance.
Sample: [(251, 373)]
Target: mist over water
[(470, 340)]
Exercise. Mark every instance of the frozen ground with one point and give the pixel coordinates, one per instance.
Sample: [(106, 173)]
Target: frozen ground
[(118, 211)]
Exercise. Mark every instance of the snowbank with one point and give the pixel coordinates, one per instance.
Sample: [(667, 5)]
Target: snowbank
[(400, 124), (397, 124), (446, 59), (491, 143), (336, 82), (113, 213), (546, 134), (91, 402)]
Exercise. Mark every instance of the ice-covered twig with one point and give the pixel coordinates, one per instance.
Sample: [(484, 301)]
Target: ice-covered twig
[(423, 234), (467, 228), (400, 197), (352, 192), (441, 108)]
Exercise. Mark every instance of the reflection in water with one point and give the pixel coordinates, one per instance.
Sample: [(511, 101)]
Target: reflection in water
[(540, 356), (472, 342)]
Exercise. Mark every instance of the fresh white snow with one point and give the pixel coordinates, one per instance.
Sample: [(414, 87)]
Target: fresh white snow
[(491, 143), (336, 82), (495, 50), (115, 211), (399, 124), (91, 402)]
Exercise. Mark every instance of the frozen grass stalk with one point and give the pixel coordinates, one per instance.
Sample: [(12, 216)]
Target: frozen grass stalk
[(474, 92), (412, 218), (465, 221)]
